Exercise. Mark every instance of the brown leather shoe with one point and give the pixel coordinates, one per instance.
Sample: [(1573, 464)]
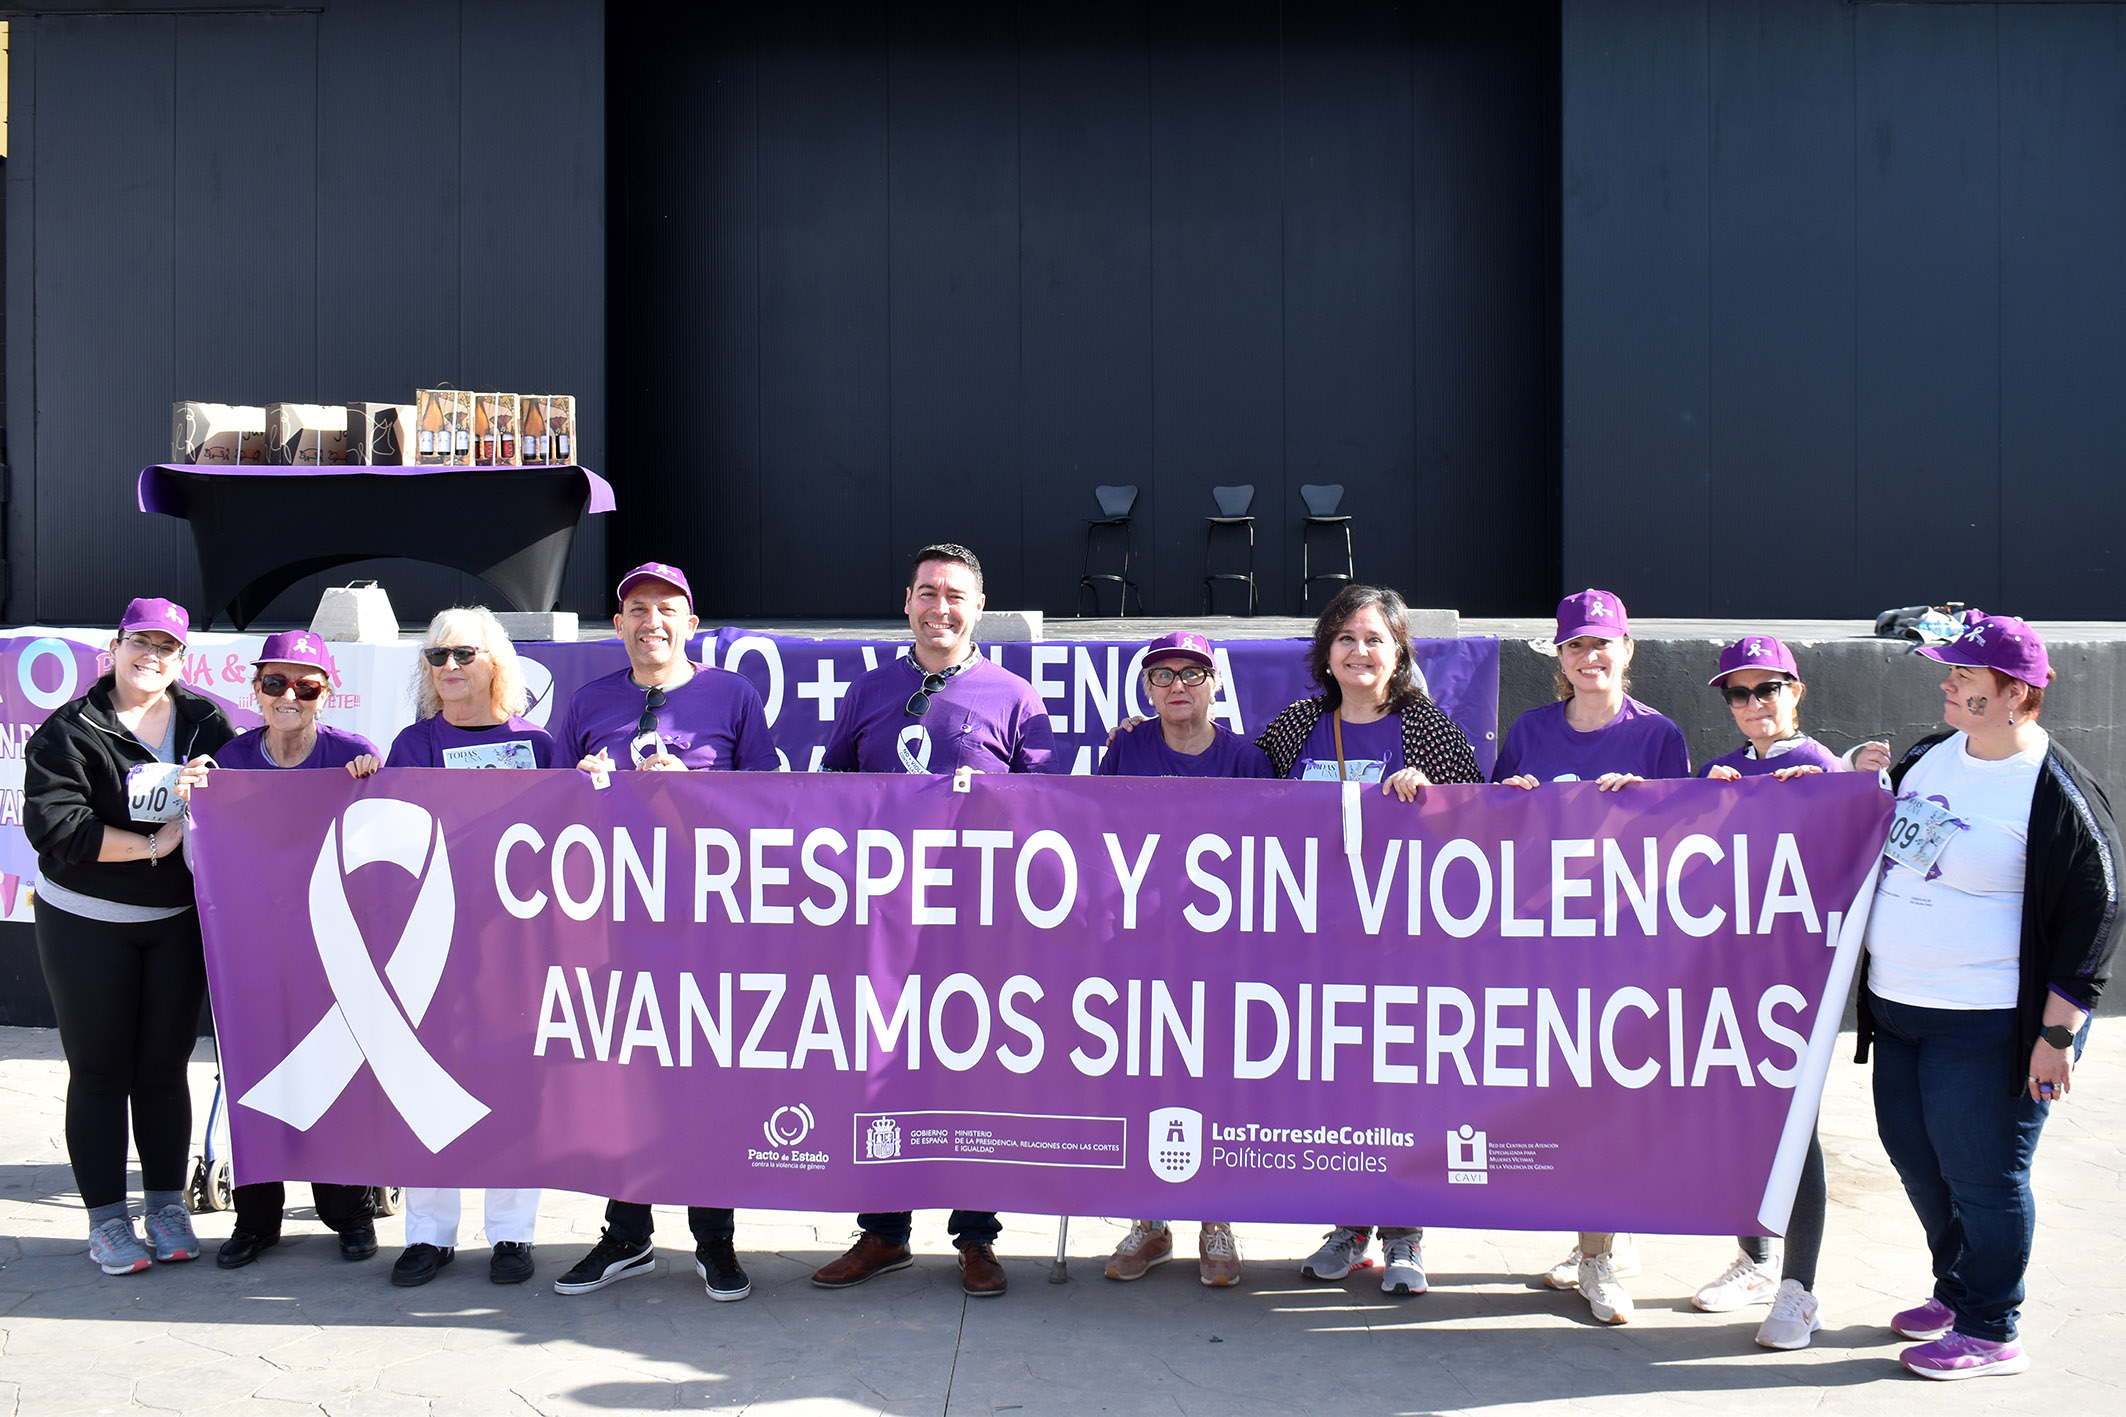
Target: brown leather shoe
[(867, 1257), (980, 1274)]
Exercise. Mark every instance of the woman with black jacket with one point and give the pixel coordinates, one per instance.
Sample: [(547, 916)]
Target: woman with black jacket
[(117, 933), (1990, 938)]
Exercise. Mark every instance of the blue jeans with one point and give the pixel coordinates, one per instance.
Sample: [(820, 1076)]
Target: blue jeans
[(1962, 1142), (967, 1227)]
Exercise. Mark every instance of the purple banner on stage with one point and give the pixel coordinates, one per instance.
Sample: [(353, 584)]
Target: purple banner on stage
[(1241, 1000)]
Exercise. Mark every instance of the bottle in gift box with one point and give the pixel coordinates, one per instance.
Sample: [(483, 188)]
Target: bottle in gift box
[(531, 429), (561, 425)]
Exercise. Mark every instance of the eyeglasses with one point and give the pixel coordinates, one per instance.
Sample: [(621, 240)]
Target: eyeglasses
[(650, 705), (919, 701), (308, 690), (1192, 676), (1764, 693), (461, 654), (154, 649)]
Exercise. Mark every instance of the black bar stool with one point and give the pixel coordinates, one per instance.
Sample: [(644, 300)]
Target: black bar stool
[(1322, 501), (1233, 504), (1102, 536)]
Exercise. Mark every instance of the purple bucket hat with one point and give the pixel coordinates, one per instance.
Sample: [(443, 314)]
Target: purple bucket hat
[(296, 647), (1182, 644), (1999, 642), (655, 571), (154, 613), (1591, 612), (1756, 652)]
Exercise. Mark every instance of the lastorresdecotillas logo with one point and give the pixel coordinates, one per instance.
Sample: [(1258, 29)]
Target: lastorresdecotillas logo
[(368, 1021), (788, 1126), (882, 1142), (1468, 1162), (1174, 1143)]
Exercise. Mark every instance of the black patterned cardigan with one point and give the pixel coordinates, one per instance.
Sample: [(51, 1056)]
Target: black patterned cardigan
[(1433, 743)]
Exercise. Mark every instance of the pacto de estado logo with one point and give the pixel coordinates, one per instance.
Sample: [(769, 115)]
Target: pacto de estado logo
[(787, 1126)]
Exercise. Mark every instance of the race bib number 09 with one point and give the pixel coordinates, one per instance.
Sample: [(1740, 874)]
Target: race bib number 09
[(1920, 833)]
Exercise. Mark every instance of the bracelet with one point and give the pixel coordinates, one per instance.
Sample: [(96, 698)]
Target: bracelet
[(151, 845)]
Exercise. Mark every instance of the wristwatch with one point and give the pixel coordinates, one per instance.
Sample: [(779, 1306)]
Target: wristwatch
[(2059, 1036)]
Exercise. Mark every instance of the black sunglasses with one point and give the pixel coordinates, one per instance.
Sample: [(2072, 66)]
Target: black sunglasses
[(308, 690), (1193, 675), (463, 654), (919, 701), (1764, 693), (650, 704)]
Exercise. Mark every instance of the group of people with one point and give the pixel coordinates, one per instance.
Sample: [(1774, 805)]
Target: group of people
[(1989, 940)]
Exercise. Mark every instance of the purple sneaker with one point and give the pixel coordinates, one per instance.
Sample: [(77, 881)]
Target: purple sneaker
[(1958, 1355), (1929, 1321)]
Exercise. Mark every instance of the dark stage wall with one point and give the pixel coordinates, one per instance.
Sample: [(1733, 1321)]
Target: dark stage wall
[(890, 273), (1843, 293)]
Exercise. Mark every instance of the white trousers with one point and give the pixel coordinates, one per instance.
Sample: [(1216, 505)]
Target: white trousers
[(432, 1215)]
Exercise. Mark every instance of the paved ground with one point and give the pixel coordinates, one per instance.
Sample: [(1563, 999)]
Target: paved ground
[(304, 1333)]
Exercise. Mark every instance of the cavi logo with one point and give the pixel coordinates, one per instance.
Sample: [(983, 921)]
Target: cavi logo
[(788, 1126), (882, 1142), (1174, 1142), (1468, 1163)]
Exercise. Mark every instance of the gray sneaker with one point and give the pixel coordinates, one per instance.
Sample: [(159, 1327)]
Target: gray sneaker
[(1342, 1250), (170, 1232), (115, 1249), (1403, 1267)]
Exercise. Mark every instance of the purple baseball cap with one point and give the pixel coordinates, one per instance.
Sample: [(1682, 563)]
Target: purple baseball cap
[(154, 613), (1756, 652), (1182, 644), (1591, 612), (295, 647), (1999, 642), (655, 571)]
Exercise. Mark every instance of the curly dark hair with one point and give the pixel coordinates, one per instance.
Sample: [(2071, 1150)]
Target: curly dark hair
[(1403, 689)]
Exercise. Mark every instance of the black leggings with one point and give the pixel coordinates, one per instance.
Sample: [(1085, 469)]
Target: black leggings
[(128, 1001), (1804, 1228)]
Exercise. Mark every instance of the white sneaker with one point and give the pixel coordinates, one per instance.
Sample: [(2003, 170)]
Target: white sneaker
[(1403, 1267), (1746, 1282), (1342, 1250), (1623, 1260), (1604, 1295), (1795, 1315)]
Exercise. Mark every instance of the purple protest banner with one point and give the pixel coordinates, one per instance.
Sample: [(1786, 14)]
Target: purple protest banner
[(1243, 1000)]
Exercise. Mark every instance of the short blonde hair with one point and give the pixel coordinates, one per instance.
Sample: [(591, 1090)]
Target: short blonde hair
[(471, 625)]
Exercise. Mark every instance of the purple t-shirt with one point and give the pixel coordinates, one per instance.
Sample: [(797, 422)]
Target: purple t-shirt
[(1796, 752), (1143, 752), (335, 748), (713, 721), (433, 743), (1543, 745), (1373, 752), (985, 718)]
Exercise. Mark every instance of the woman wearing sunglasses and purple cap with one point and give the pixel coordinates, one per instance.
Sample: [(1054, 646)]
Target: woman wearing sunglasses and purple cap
[(117, 933), (1595, 732), (291, 679), (1181, 683), (469, 700), (1990, 939)]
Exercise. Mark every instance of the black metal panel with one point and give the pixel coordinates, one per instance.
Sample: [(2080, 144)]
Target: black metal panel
[(953, 278), (1085, 307), (1484, 95), (1636, 301), (1781, 353), (21, 353), (1217, 296), (1349, 362), (2063, 300), (826, 506), (103, 301), (1928, 312)]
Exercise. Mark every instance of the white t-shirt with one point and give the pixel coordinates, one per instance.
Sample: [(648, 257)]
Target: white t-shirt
[(1951, 938)]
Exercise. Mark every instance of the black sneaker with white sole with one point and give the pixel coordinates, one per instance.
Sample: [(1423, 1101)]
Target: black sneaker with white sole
[(716, 1261), (610, 1261)]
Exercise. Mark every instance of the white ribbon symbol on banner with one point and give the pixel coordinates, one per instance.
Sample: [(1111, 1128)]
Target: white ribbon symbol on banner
[(913, 737), (364, 1024)]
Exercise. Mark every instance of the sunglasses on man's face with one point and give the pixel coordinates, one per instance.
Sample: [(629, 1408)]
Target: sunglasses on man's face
[(462, 655), (308, 690), (1764, 693), (1193, 675)]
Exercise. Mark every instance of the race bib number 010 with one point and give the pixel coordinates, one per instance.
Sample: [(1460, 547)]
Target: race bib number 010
[(151, 792)]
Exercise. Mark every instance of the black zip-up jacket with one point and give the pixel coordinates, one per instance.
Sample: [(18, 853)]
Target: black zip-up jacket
[(2071, 915), (73, 786)]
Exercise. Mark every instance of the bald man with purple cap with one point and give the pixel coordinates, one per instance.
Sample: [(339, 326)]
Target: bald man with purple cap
[(663, 713)]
